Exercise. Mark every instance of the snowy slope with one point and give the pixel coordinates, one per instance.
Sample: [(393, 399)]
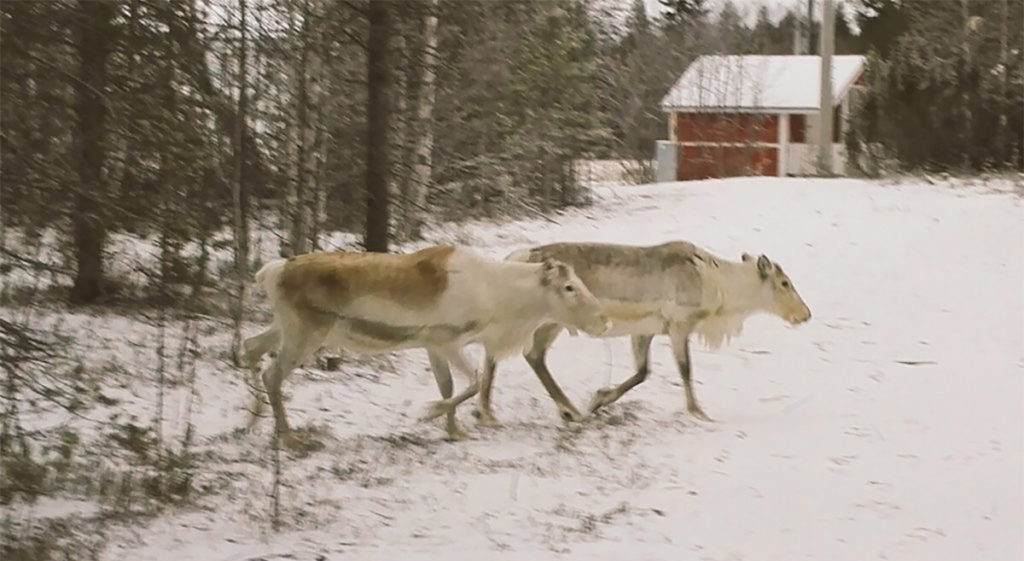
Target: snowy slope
[(889, 427)]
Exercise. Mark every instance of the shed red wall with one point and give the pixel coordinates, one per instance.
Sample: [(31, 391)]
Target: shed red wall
[(726, 144), (703, 162), (727, 127)]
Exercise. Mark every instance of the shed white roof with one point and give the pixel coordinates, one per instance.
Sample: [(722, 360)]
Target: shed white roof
[(788, 83)]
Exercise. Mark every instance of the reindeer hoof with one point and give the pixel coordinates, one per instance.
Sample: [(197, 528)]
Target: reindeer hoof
[(254, 416), (699, 413), (456, 434), (435, 409), (250, 422), (601, 398), (300, 445), (250, 425), (290, 440), (569, 414), (485, 419)]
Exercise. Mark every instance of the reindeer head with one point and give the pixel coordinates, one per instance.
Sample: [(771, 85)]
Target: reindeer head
[(778, 293), (569, 301)]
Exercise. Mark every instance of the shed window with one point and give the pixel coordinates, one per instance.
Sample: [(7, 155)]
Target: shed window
[(797, 129)]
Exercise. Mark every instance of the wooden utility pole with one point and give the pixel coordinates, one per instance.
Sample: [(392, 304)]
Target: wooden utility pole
[(828, 22)]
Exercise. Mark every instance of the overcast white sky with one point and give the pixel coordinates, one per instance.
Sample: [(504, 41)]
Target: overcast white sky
[(748, 8)]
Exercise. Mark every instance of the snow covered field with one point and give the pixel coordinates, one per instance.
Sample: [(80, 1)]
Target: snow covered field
[(891, 426)]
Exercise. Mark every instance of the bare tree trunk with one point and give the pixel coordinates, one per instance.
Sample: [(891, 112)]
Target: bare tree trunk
[(189, 352), (289, 201), (378, 166), (320, 194), (298, 206), (968, 127), (199, 279), (168, 251), (423, 153), (828, 22), (239, 195), (310, 143), (169, 179), (318, 142), (92, 38), (1004, 62), (401, 171), (275, 489)]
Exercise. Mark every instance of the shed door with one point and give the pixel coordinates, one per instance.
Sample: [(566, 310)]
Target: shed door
[(703, 162)]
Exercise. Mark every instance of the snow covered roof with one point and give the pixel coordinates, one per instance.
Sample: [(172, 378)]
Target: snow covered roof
[(787, 83)]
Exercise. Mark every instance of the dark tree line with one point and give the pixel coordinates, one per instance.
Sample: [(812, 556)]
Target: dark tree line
[(178, 121), (945, 83)]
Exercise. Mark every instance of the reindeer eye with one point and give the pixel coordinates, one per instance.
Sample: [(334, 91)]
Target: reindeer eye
[(785, 284), (570, 288)]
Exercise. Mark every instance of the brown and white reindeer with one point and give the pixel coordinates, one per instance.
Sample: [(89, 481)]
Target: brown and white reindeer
[(441, 298), (673, 289)]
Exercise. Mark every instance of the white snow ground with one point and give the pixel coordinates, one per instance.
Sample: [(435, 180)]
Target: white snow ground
[(889, 427)]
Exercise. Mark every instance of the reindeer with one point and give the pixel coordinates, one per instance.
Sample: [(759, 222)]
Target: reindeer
[(673, 289), (441, 298)]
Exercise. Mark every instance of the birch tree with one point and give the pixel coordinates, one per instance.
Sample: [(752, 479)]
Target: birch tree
[(424, 144), (239, 197)]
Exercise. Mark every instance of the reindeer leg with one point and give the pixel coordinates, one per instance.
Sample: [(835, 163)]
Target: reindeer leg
[(256, 346), (443, 376), (641, 357), (447, 406), (458, 360), (253, 349), (681, 350), (535, 357), (483, 413), (258, 405), (294, 351), (273, 377)]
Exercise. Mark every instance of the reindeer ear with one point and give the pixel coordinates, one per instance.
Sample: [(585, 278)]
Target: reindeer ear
[(764, 266), (746, 257), (553, 271), (548, 271)]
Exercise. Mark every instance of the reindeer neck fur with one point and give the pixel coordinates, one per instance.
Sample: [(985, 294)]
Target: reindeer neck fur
[(730, 294), (519, 308)]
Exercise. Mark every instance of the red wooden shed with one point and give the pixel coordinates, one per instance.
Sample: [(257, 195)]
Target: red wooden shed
[(734, 115)]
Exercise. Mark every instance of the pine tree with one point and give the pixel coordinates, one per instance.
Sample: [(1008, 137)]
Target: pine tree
[(683, 12), (553, 99), (95, 27), (933, 101), (378, 161)]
